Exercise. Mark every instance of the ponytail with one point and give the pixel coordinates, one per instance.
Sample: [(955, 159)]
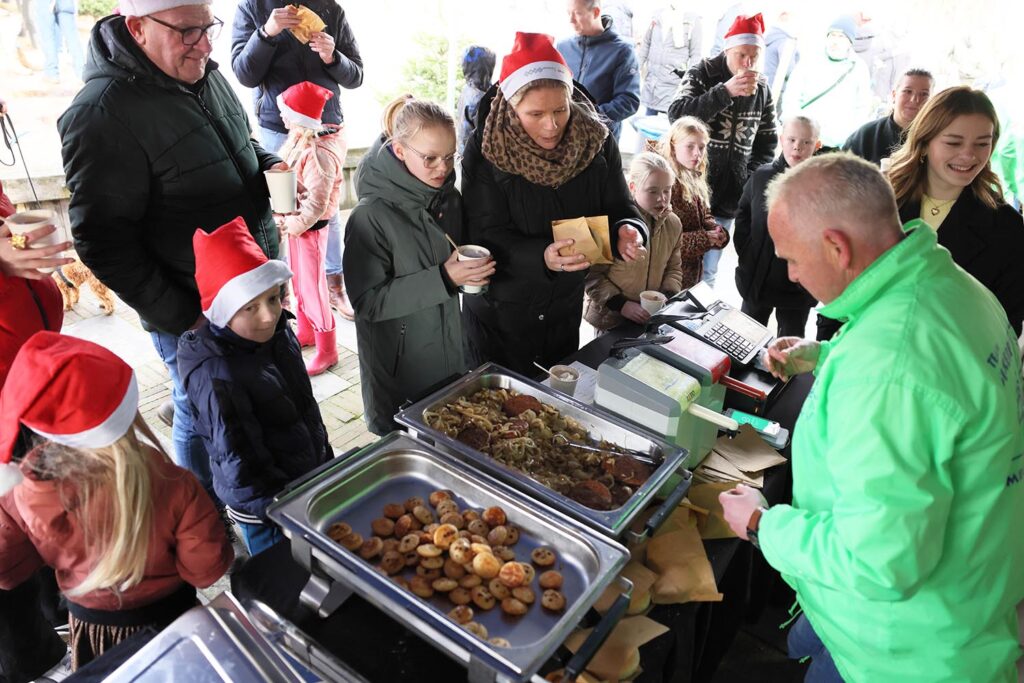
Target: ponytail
[(405, 116)]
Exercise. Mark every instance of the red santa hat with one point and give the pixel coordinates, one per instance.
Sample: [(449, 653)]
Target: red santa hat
[(66, 390), (746, 31), (303, 103), (533, 57), (232, 270)]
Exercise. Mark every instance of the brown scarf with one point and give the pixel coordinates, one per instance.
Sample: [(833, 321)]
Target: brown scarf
[(510, 148)]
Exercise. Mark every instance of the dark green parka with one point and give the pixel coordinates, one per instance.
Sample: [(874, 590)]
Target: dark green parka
[(407, 310), (148, 160)]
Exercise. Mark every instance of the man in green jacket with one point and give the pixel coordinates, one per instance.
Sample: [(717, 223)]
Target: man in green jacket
[(903, 541)]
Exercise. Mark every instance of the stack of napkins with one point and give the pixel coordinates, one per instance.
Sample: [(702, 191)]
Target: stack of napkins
[(741, 459)]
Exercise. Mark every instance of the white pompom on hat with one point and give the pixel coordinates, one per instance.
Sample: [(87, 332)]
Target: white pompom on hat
[(66, 390), (232, 270), (746, 31), (304, 103), (533, 57), (142, 8)]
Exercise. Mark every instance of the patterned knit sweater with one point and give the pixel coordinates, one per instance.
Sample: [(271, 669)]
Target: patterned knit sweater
[(743, 134)]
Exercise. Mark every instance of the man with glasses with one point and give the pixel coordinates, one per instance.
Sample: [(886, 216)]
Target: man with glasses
[(268, 58), (156, 145)]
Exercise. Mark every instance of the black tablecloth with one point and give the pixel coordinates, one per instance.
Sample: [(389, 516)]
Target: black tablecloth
[(379, 648)]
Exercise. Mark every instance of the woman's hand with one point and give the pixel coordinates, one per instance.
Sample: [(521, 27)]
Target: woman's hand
[(27, 262), (280, 19), (323, 44), (476, 272), (631, 310), (564, 264), (630, 245)]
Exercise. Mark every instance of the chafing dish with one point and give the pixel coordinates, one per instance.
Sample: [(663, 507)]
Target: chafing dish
[(397, 467), (600, 426)]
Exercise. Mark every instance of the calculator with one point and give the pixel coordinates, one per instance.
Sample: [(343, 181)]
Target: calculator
[(728, 329)]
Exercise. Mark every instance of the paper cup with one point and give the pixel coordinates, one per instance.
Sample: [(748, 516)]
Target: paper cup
[(652, 301), (564, 379), (25, 222), (885, 163), (473, 252), (283, 188)]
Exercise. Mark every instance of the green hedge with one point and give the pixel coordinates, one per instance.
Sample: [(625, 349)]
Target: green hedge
[(96, 8)]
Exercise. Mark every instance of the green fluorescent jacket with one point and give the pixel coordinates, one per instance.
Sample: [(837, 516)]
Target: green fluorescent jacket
[(905, 539)]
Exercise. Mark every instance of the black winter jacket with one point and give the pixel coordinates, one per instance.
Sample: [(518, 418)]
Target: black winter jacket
[(271, 66), (761, 276), (988, 244), (876, 140), (407, 310), (530, 313), (148, 160), (253, 406), (743, 134)]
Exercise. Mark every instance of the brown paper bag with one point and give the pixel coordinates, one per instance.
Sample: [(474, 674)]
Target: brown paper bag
[(619, 657), (309, 23), (712, 525), (685, 572), (590, 235), (642, 579)]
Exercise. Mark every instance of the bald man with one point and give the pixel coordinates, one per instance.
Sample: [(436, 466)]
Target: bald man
[(903, 540)]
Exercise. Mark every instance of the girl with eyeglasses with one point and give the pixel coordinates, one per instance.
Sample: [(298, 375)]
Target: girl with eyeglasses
[(402, 273)]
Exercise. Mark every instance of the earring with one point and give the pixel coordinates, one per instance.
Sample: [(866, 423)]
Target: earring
[(921, 160)]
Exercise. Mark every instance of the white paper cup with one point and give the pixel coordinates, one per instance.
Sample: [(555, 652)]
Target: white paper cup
[(652, 301), (25, 222), (473, 252), (885, 163), (564, 379), (283, 187)]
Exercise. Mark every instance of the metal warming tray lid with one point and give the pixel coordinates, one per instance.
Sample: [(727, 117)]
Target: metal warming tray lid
[(599, 424), (392, 470)]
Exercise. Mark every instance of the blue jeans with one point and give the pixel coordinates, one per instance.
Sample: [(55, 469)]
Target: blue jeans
[(713, 256), (189, 449), (55, 22), (259, 537), (272, 142), (804, 642)]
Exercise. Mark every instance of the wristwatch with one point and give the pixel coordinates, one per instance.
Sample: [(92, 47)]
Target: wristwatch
[(753, 524)]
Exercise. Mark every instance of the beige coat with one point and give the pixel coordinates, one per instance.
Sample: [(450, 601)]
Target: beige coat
[(660, 268)]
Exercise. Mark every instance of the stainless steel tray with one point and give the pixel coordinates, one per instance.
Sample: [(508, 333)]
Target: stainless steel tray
[(398, 467), (599, 424)]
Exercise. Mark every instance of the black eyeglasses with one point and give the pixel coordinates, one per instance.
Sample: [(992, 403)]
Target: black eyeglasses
[(193, 34)]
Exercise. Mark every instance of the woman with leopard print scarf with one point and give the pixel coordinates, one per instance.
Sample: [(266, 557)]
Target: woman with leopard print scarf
[(540, 153)]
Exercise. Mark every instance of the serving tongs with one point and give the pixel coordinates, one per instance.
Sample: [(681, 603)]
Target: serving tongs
[(563, 440), (624, 344)]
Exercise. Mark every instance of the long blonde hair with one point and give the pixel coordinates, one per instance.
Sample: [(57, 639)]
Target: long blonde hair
[(405, 116), (299, 140), (909, 170), (111, 496), (694, 184), (646, 163)]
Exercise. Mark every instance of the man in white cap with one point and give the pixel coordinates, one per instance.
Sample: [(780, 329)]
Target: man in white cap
[(734, 100), (156, 144)]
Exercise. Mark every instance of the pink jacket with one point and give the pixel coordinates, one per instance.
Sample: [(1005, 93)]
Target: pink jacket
[(321, 170), (188, 541)]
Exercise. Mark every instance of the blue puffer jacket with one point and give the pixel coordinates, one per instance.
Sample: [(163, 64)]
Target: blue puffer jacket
[(606, 66), (253, 406), (271, 66)]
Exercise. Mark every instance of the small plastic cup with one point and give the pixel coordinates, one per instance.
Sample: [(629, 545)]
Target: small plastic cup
[(652, 301), (25, 222), (564, 379), (473, 252), (283, 186)]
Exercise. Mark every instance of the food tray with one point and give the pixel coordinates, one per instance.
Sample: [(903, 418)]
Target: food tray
[(397, 467), (599, 424)]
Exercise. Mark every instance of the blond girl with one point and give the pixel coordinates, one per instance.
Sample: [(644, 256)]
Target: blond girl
[(685, 147), (129, 534)]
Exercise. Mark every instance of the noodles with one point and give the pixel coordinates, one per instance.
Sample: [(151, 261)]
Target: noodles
[(523, 441)]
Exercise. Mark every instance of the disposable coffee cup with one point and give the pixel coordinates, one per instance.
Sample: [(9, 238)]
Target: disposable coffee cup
[(473, 252), (24, 222), (283, 187), (564, 379), (885, 163), (652, 301)]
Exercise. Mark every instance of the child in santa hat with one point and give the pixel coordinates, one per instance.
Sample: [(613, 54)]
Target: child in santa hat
[(317, 153), (130, 534), (252, 401)]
